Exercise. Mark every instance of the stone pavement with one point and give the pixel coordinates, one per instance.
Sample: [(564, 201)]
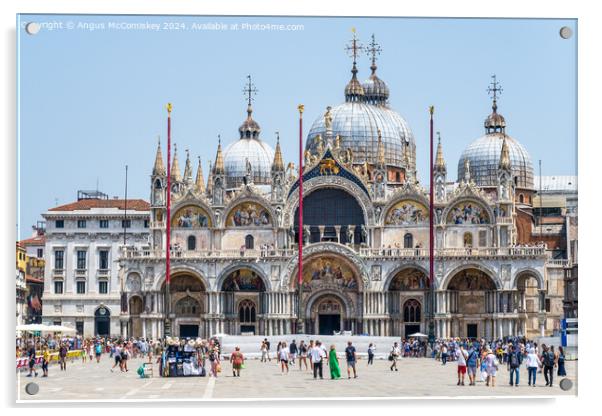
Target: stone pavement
[(417, 377)]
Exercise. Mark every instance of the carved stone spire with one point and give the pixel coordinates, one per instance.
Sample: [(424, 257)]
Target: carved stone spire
[(278, 165), (200, 181), (380, 150), (439, 161), (467, 170), (188, 169), (218, 169), (505, 156), (175, 166), (159, 167), (210, 180)]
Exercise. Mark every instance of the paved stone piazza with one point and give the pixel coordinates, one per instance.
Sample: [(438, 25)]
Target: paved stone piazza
[(417, 377)]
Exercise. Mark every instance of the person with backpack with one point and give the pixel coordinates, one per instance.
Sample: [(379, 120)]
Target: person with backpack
[(549, 362), (471, 365), (514, 362), (461, 357)]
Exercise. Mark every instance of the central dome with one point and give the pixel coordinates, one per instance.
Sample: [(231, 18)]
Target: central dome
[(260, 156), (357, 124)]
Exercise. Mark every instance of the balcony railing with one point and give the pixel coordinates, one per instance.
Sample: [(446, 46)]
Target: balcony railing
[(363, 252), (504, 220), (558, 262), (80, 272), (58, 272), (103, 272)]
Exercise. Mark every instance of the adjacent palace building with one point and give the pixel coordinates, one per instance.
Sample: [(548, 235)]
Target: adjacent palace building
[(234, 251)]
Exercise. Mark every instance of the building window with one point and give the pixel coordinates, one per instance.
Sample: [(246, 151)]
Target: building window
[(104, 223), (81, 223), (59, 223), (103, 262), (58, 287), (411, 311), (521, 198), (547, 305), (483, 238), (80, 287), (40, 253), (246, 311), (58, 259), (468, 240), (249, 242), (397, 177), (191, 243), (408, 240), (81, 259), (126, 223), (145, 223), (103, 287), (79, 327), (57, 323)]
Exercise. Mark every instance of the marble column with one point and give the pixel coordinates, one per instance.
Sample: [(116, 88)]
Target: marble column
[(337, 230)]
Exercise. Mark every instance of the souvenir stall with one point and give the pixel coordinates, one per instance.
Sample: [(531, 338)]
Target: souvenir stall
[(182, 358)]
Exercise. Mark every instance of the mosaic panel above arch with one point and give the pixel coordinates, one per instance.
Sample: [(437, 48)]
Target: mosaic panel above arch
[(191, 216), (471, 279), (469, 213), (243, 280), (329, 270), (248, 214), (409, 279), (407, 212)]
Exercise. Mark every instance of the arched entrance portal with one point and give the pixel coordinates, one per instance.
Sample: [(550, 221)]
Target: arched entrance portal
[(471, 300), (332, 215), (327, 313), (408, 291), (135, 308), (331, 293), (187, 304), (530, 304), (102, 322), (243, 299)]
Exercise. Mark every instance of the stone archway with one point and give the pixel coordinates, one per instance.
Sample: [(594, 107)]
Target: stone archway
[(187, 304), (530, 302), (409, 283), (327, 313), (242, 297), (135, 307)]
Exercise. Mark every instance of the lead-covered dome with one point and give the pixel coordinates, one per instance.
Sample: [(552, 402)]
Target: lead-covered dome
[(249, 148), (484, 158), (357, 124)]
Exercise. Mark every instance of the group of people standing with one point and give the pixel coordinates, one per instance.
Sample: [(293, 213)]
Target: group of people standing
[(489, 357)]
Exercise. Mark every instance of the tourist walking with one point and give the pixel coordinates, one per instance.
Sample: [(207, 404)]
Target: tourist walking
[(371, 351), (461, 357), (549, 363), (471, 365), (237, 360), (267, 347), (515, 359), (45, 360), (443, 353), (292, 349), (117, 357), (533, 363), (561, 358), (302, 355), (333, 362), (491, 366), (98, 351), (125, 355), (394, 356), (317, 355), (351, 359), (31, 354), (283, 356), (63, 357), (264, 352), (214, 362)]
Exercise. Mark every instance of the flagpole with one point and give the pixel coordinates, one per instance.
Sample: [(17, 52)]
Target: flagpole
[(300, 328), (431, 324), (167, 329)]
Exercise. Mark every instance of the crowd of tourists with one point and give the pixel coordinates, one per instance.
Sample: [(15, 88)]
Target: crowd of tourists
[(488, 357)]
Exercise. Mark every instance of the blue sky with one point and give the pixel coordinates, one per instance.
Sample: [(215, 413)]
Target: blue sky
[(92, 101)]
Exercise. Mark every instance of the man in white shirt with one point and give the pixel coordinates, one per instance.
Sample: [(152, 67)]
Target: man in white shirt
[(461, 357), (317, 354)]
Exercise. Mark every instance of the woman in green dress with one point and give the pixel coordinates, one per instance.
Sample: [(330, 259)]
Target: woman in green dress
[(333, 362)]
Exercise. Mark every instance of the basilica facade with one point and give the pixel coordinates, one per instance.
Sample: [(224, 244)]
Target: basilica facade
[(234, 237)]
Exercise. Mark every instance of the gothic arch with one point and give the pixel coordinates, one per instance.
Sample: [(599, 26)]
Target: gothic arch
[(337, 182), (529, 272), (219, 282), (289, 273), (318, 295), (490, 273)]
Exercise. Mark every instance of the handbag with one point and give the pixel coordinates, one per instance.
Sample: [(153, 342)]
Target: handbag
[(218, 368)]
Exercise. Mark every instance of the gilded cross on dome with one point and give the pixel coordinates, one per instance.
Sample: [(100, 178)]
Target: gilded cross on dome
[(494, 89), (373, 50), (355, 47), (249, 90)]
